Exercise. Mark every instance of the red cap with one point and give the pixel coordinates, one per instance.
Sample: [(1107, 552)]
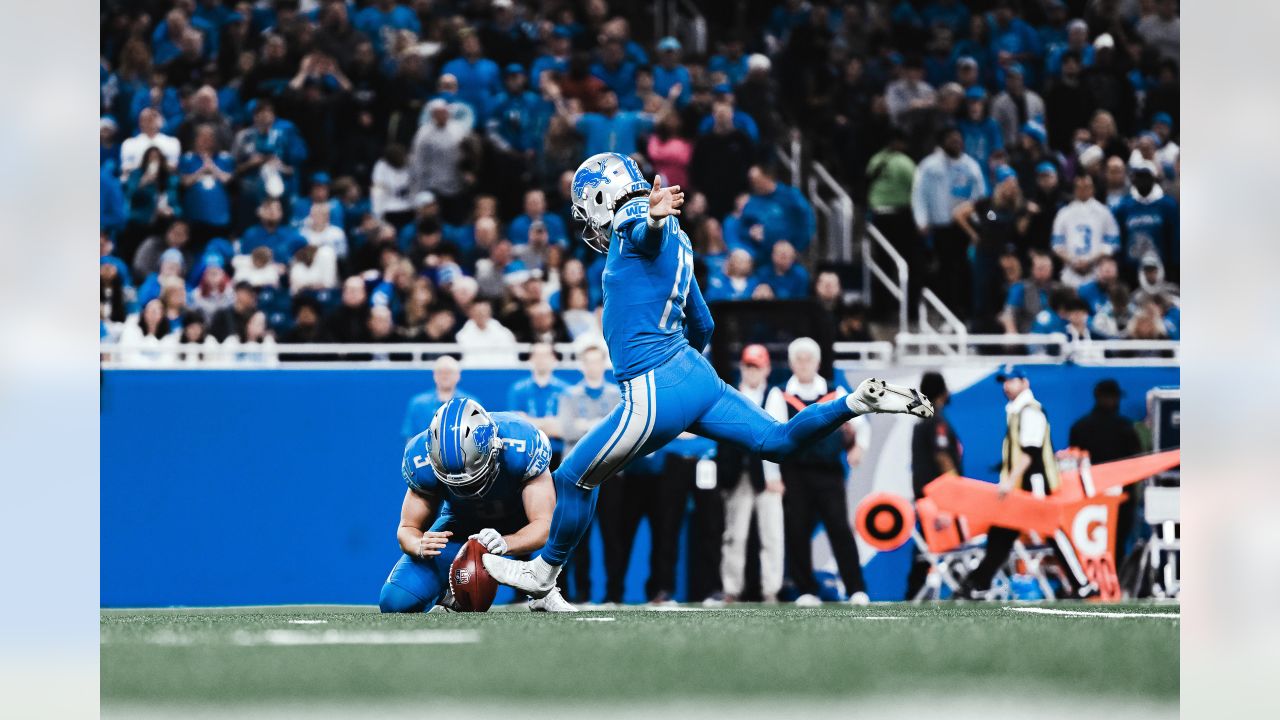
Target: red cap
[(755, 355)]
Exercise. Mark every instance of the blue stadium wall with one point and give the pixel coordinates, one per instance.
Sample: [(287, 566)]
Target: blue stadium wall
[(244, 487)]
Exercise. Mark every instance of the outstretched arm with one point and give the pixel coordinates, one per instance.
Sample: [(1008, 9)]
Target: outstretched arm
[(647, 237), (698, 322)]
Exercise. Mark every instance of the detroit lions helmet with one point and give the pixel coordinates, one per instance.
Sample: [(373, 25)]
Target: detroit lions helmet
[(598, 186), (463, 447)]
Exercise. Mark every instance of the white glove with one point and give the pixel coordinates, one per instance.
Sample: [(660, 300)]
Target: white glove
[(492, 540)]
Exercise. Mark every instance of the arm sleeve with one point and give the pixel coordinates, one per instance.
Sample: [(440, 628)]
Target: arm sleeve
[(1059, 238), (639, 231), (698, 322), (1110, 233)]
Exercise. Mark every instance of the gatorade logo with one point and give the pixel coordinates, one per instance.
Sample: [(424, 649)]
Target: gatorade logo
[(1089, 531)]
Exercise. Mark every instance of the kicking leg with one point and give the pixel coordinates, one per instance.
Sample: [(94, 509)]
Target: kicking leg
[(733, 418), (633, 426)]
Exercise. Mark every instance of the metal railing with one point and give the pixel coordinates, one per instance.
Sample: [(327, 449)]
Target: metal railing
[(951, 348), (682, 19), (790, 156), (862, 355), (912, 349), (212, 355), (835, 208), (871, 269)]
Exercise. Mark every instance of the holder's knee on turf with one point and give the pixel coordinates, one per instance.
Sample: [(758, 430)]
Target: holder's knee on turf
[(395, 599)]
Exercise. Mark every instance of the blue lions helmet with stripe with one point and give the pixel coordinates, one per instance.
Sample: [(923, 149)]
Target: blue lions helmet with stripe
[(462, 445), (599, 185)]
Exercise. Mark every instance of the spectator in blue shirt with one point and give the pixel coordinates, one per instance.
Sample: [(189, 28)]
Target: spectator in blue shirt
[(741, 120), (1148, 221), (788, 280), (111, 206), (423, 407), (205, 174), (267, 154), (271, 233), (166, 39), (537, 397), (736, 282), (611, 130), (479, 79), (1027, 299), (108, 144), (731, 62), (669, 73), (982, 134), (950, 14), (518, 117), (781, 209), (535, 209), (320, 192), (152, 194), (556, 59), (614, 69), (1014, 40), (383, 17), (1077, 42)]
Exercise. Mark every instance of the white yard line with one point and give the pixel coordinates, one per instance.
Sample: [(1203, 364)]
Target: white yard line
[(604, 619), (308, 622), (881, 617), (1089, 613), (340, 637)]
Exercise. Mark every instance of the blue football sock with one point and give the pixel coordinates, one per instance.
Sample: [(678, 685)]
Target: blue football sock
[(569, 524), (812, 423)]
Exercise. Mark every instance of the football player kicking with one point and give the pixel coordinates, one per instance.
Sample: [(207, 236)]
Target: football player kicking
[(656, 325), (487, 476)]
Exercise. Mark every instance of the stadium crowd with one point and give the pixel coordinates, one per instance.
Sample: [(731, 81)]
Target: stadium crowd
[(380, 171)]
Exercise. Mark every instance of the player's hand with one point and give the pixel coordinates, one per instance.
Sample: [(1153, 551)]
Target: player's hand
[(664, 201), (1002, 491), (432, 542), (492, 540)]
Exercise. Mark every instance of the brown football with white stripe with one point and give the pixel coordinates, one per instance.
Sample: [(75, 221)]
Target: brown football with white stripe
[(472, 586)]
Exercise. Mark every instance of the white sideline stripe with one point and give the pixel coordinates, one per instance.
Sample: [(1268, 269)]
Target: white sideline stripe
[(339, 637), (308, 622), (1089, 613), (882, 617), (595, 619)]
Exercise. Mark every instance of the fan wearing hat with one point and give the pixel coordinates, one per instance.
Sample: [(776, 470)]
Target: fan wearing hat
[(1107, 435), (1027, 463)]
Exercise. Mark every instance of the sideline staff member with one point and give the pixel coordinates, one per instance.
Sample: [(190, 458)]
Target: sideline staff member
[(1028, 463)]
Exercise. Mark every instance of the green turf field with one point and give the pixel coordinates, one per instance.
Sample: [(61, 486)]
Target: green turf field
[(238, 662)]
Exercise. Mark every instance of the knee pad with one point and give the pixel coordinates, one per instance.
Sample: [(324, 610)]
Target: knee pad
[(395, 599)]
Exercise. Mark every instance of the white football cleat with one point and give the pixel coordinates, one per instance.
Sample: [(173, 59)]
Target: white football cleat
[(808, 600), (859, 599), (551, 602), (535, 578), (877, 396)]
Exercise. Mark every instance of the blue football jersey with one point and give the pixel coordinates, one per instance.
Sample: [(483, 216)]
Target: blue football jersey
[(525, 454), (645, 290)]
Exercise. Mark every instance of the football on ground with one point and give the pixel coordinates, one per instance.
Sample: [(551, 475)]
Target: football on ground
[(472, 586)]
